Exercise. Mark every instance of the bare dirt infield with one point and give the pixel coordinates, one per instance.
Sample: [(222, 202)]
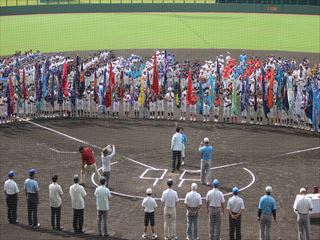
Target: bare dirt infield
[(207, 54), (259, 149)]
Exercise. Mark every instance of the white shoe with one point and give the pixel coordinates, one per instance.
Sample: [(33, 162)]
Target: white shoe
[(191, 119), (194, 119), (158, 117), (154, 236), (207, 119), (162, 117), (182, 163), (144, 236), (204, 120), (184, 118), (181, 118), (215, 120)]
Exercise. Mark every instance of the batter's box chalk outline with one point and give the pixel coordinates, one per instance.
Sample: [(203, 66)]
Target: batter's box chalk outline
[(164, 171), (182, 179)]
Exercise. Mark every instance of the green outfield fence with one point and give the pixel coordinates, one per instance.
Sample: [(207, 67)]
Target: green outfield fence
[(9, 3)]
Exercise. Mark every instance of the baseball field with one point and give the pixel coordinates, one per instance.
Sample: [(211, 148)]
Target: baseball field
[(250, 157), (81, 32)]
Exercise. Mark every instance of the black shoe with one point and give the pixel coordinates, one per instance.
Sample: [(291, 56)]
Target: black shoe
[(36, 226), (59, 228), (14, 222), (81, 232), (172, 171)]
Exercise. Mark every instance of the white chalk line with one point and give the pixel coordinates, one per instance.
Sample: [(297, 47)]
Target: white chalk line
[(56, 150), (164, 171), (129, 159), (86, 143), (180, 199), (300, 151)]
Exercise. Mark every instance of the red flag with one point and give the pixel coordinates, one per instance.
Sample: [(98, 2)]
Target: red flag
[(111, 78), (189, 92), (108, 97), (110, 87), (65, 79), (24, 89), (11, 95), (155, 83), (95, 91), (270, 94)]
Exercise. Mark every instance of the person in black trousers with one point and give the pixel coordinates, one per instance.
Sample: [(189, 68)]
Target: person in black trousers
[(32, 192), (77, 194), (11, 191), (55, 194)]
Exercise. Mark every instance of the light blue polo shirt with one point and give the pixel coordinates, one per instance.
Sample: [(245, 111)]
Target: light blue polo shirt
[(31, 186), (267, 204), (102, 194), (206, 152)]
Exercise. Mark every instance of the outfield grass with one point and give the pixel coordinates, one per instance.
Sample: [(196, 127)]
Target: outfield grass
[(69, 32)]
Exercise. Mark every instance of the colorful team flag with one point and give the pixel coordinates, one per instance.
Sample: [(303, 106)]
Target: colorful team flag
[(155, 83)]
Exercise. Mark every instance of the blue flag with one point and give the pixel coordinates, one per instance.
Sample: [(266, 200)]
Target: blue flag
[(200, 100), (212, 85)]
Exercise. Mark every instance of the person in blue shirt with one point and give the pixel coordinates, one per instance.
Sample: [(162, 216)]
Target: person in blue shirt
[(32, 193), (184, 143), (206, 151), (243, 57), (266, 209)]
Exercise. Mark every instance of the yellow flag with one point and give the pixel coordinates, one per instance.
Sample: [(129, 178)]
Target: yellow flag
[(141, 95)]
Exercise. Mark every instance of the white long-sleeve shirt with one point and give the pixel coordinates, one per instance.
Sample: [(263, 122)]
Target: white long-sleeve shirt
[(106, 160), (176, 142)]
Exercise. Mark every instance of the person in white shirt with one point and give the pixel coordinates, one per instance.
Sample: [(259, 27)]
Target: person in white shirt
[(235, 207), (176, 147), (77, 194), (106, 157), (170, 199), (302, 207), (102, 194), (149, 205), (193, 203), (11, 191), (215, 208), (55, 194)]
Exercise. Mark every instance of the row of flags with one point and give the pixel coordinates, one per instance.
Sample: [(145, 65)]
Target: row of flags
[(45, 86)]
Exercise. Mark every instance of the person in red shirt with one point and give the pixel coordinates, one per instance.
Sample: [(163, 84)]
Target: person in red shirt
[(88, 163)]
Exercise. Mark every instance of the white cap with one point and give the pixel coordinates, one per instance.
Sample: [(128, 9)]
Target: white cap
[(206, 140), (149, 191), (107, 148), (268, 189), (194, 186), (302, 190)]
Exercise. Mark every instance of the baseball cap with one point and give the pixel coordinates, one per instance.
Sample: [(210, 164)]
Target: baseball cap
[(32, 172), (107, 148), (235, 190), (268, 189), (215, 182), (206, 140), (11, 173), (302, 190), (149, 191)]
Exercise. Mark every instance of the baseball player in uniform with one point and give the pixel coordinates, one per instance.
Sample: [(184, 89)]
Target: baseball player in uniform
[(126, 103), (160, 105), (183, 106), (170, 102)]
